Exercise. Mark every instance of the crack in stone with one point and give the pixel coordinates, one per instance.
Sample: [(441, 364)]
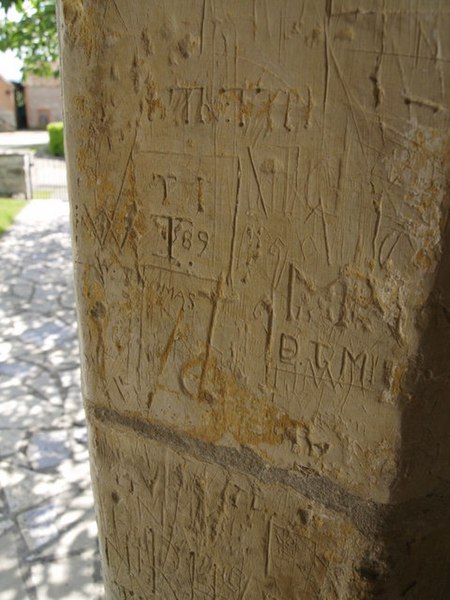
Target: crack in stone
[(367, 516)]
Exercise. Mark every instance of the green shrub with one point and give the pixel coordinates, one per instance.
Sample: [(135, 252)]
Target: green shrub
[(56, 141)]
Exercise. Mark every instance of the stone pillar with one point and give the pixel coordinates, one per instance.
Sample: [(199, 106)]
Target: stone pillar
[(259, 195)]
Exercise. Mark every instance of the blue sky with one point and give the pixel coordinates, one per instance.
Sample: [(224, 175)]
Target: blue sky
[(10, 66)]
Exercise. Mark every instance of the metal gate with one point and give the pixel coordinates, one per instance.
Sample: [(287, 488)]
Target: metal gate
[(48, 178)]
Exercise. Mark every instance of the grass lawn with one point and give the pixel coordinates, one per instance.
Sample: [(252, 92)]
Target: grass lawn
[(9, 208), (41, 195)]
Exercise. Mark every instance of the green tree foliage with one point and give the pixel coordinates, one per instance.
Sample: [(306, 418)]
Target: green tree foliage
[(33, 36)]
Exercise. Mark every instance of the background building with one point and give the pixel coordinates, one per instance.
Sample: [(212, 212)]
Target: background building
[(43, 101), (7, 106)]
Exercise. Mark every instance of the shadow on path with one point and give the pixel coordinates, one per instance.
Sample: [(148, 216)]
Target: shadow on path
[(48, 535)]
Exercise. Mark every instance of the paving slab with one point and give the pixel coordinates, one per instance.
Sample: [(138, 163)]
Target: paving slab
[(11, 440), (48, 533), (48, 449), (24, 488), (27, 410), (70, 578), (12, 583)]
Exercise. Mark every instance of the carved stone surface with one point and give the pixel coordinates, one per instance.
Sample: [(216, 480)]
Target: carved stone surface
[(259, 198), (199, 526)]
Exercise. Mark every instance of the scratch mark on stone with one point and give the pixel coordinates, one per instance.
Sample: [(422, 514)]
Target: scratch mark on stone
[(192, 573), (423, 102), (263, 203), (350, 102), (325, 231), (244, 591), (120, 14), (269, 30), (309, 109), (268, 354), (170, 342), (280, 36), (269, 543), (216, 297), (122, 184), (234, 234), (327, 73), (169, 583), (202, 35), (92, 226), (119, 389), (378, 208), (141, 334), (173, 527), (152, 555)]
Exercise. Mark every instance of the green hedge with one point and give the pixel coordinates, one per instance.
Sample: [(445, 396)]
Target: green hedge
[(56, 141)]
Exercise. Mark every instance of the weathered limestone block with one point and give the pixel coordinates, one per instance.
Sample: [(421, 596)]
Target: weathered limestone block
[(259, 197), (15, 175), (201, 529)]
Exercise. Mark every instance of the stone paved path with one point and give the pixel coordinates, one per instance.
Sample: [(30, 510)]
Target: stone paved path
[(48, 536)]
